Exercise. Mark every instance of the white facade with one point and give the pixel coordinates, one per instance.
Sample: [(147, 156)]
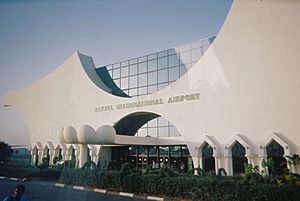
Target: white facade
[(244, 89)]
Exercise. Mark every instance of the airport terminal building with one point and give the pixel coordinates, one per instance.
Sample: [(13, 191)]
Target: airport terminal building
[(215, 103)]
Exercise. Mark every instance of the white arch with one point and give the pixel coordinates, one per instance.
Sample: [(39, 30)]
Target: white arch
[(276, 136), (211, 141), (241, 139)]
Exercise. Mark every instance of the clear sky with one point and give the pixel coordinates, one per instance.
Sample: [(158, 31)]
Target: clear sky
[(36, 36)]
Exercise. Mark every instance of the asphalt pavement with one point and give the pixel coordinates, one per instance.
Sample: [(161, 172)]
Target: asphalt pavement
[(47, 191)]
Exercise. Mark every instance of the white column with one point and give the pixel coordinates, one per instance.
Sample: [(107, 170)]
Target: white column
[(228, 164), (33, 156), (196, 163), (51, 156), (217, 164), (83, 154), (261, 168)]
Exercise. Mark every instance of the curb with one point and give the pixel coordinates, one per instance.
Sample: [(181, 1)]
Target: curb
[(97, 190)]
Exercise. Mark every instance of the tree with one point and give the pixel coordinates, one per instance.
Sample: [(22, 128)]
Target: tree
[(5, 151)]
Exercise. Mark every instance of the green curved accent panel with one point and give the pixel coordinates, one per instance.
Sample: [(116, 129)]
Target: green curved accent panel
[(108, 81), (130, 124)]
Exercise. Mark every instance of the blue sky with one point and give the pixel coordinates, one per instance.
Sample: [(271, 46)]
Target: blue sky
[(36, 36)]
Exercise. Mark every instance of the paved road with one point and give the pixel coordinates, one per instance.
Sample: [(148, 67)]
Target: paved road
[(44, 191)]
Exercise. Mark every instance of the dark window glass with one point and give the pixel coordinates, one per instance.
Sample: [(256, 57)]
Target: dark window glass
[(238, 158)]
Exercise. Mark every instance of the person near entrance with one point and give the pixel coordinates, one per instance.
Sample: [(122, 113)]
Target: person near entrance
[(18, 194)]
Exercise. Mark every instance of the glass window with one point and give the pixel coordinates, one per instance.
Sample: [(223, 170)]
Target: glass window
[(184, 48), (205, 42), (163, 131), (163, 76), (142, 91), (109, 67), (142, 67), (152, 132), (238, 152), (183, 70), (125, 63), (185, 151), (110, 72), (153, 150), (142, 132), (163, 53), (173, 60), (117, 65), (133, 69), (185, 57), (126, 91), (124, 83), (133, 81), (153, 123), (162, 63), (162, 121), (143, 59), (171, 51), (142, 79), (152, 65), (174, 132), (117, 81), (175, 151), (152, 78), (124, 72), (133, 150), (205, 48), (116, 73), (152, 56), (163, 150), (133, 92), (161, 86), (196, 54), (173, 73), (143, 150), (197, 44), (152, 89), (133, 61)]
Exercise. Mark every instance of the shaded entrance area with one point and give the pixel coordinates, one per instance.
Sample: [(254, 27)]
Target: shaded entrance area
[(177, 157), (208, 160), (238, 152), (276, 152)]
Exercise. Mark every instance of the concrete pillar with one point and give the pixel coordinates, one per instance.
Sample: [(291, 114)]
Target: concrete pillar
[(196, 163), (83, 154), (34, 152), (51, 156), (228, 164), (261, 168), (217, 164)]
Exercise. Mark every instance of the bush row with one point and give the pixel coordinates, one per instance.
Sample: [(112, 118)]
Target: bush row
[(251, 187), (29, 172)]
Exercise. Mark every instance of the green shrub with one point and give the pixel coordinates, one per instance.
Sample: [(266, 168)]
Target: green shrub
[(79, 177), (109, 179), (150, 184), (132, 183), (18, 171)]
